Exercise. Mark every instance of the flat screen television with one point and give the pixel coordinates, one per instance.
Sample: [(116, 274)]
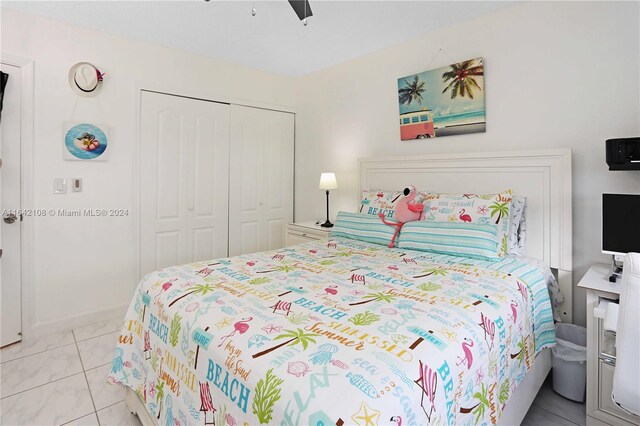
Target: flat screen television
[(620, 223)]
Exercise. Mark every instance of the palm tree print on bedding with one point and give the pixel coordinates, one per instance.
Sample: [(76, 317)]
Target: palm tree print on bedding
[(434, 340)]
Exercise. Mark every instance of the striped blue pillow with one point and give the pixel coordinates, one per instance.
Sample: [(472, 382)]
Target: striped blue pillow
[(363, 228), (473, 240)]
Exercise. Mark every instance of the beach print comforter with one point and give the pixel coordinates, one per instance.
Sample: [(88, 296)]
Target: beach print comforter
[(330, 333)]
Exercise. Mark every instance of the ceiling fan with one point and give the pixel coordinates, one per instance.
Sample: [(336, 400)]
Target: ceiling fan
[(302, 8)]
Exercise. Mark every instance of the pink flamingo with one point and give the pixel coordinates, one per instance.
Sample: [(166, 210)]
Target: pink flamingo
[(239, 327), (464, 217), (514, 312), (396, 419), (468, 356), (406, 210)]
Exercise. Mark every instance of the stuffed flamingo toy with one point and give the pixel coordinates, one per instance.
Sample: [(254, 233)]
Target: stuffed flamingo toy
[(407, 210)]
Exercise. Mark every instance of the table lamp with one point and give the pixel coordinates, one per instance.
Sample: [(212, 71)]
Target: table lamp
[(327, 182)]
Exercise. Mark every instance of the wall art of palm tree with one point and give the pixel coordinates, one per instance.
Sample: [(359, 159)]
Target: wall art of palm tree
[(442, 102)]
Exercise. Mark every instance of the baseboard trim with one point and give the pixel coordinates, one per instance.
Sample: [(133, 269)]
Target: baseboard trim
[(41, 329)]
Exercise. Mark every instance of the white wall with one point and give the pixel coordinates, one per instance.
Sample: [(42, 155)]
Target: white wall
[(85, 265), (557, 74)]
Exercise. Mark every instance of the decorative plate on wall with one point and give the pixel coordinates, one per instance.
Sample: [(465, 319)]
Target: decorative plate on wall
[(84, 141)]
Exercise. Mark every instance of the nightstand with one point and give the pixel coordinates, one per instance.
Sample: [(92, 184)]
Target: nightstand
[(304, 232), (600, 349)]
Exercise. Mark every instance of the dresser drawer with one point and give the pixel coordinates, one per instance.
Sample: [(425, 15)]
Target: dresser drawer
[(605, 402)]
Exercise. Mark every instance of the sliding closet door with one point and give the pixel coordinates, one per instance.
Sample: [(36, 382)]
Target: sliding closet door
[(184, 172), (261, 179)]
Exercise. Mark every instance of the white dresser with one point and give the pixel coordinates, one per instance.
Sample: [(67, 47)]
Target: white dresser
[(304, 232), (600, 350)]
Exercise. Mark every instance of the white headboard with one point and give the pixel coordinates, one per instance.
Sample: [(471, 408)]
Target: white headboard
[(544, 177)]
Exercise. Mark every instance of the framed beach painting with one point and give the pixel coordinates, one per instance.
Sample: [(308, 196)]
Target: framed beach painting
[(84, 141), (443, 102)]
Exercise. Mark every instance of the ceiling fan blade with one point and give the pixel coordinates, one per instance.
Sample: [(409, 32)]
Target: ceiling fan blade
[(302, 8)]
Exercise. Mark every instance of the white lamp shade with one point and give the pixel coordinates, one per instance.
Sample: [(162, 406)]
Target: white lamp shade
[(328, 181)]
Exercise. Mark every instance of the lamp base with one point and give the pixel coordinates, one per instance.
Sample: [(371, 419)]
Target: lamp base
[(327, 224)]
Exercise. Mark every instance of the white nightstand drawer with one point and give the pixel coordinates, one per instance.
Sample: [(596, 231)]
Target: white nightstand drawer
[(298, 233), (296, 238), (306, 234)]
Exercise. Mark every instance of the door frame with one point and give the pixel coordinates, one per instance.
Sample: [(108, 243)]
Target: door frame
[(27, 237), (204, 95)]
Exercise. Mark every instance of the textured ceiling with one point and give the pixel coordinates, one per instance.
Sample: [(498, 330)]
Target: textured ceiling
[(274, 40)]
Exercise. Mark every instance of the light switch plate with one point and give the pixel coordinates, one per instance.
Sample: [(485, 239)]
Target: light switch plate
[(59, 186), (76, 184)]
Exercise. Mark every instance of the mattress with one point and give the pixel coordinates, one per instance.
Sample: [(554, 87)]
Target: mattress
[(334, 332)]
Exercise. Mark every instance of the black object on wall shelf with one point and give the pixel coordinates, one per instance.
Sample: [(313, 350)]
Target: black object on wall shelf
[(623, 154)]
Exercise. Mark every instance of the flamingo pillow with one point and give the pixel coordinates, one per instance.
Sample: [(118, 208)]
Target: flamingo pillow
[(481, 209)]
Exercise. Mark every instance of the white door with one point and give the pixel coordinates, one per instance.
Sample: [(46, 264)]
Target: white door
[(10, 224), (184, 172), (261, 179)]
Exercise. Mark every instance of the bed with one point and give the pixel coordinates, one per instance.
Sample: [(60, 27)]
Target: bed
[(342, 331)]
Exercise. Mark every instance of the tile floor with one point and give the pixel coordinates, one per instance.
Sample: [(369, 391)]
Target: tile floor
[(550, 409), (60, 380)]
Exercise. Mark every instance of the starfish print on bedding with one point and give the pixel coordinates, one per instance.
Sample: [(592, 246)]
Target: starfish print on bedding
[(223, 323), (270, 329), (366, 416), (452, 336)]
